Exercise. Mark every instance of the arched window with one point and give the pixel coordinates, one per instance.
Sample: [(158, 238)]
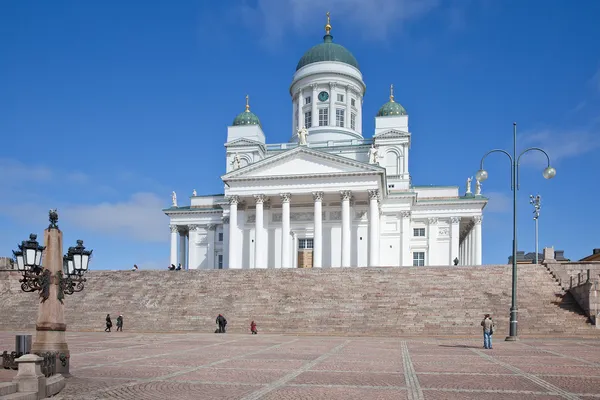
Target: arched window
[(392, 162)]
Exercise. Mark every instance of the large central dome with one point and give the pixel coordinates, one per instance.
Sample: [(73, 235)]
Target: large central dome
[(327, 51)]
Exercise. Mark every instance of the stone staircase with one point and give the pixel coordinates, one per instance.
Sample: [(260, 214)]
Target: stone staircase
[(429, 301)]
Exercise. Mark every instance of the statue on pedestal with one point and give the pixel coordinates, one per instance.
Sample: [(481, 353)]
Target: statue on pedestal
[(194, 193), (469, 179), (302, 135), (373, 154), (174, 199), (477, 188)]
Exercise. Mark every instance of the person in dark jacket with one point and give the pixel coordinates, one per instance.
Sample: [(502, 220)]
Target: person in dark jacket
[(120, 323), (222, 322), (108, 323)]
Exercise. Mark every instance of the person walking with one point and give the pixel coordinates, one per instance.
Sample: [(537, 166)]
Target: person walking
[(221, 321), (253, 328), (488, 330), (108, 323), (120, 323)]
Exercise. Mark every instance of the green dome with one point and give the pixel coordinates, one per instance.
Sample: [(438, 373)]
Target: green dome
[(391, 108), (327, 51), (246, 118)]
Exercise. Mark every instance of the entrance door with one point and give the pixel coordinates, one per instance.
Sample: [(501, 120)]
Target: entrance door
[(305, 253)]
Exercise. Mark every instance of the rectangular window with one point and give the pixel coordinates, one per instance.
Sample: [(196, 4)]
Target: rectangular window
[(353, 121), (418, 259), (340, 97), (339, 118), (305, 243), (308, 119), (323, 117), (220, 236), (307, 100), (419, 232), (220, 261), (353, 102)]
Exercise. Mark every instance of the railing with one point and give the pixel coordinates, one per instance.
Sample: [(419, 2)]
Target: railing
[(48, 365), (329, 143)]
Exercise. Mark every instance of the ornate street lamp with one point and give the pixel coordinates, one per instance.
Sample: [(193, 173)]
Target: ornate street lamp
[(75, 265), (29, 262), (482, 175)]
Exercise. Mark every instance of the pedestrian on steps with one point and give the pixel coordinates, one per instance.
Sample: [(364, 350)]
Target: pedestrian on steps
[(108, 323), (120, 323), (488, 330), (253, 328), (222, 322)]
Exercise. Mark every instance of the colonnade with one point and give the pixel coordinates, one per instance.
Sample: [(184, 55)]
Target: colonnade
[(470, 246)]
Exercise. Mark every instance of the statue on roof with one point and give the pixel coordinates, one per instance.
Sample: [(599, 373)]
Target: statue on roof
[(477, 188), (194, 193), (374, 154), (174, 199), (302, 135), (469, 179)]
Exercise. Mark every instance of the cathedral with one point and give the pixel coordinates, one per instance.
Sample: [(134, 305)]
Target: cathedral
[(331, 196)]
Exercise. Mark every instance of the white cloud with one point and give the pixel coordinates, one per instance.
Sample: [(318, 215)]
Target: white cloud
[(558, 144), (375, 18), (13, 172), (499, 202)]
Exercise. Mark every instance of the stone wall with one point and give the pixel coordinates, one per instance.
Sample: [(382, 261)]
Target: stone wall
[(6, 263), (586, 296), (341, 301), (570, 274)]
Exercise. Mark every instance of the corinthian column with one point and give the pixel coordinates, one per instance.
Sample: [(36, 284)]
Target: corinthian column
[(233, 227), (373, 228), (346, 234), (406, 235), (318, 238), (432, 241), (192, 248), (285, 230), (477, 244), (332, 95), (258, 233), (455, 241), (313, 102), (173, 258)]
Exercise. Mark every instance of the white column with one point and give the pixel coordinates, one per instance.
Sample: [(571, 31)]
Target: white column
[(373, 228), (469, 247), (285, 230), (406, 235), (332, 96), (359, 113), (173, 258), (346, 233), (348, 107), (478, 247), (225, 242), (300, 107), (233, 226), (192, 249), (182, 250), (313, 101), (259, 247), (432, 235), (318, 238), (454, 241), (210, 245)]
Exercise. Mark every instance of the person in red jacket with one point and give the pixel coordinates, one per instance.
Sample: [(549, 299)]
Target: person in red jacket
[(253, 328)]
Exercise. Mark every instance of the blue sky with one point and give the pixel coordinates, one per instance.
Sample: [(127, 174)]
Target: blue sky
[(108, 106)]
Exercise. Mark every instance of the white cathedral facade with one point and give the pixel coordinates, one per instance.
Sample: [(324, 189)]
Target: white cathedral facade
[(330, 197)]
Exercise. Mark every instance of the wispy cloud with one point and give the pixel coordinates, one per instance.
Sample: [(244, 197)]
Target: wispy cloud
[(559, 144), (375, 17), (499, 202)]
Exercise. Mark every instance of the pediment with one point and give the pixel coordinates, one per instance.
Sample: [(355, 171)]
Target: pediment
[(244, 142), (302, 161), (392, 134)]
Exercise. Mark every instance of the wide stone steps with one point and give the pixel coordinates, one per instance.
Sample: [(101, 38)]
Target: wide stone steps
[(355, 301)]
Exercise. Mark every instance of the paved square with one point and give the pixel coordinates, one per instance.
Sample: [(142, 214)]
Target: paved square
[(122, 365)]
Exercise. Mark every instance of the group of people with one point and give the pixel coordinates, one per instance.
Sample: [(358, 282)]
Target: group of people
[(222, 323), (172, 267), (109, 323)]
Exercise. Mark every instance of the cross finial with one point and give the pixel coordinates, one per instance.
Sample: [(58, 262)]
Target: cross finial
[(247, 103), (392, 92), (328, 26)]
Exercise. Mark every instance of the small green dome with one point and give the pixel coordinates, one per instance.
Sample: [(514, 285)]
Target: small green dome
[(327, 51), (391, 107), (247, 117)]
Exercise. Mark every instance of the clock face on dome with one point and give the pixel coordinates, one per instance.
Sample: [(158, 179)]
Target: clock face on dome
[(323, 96)]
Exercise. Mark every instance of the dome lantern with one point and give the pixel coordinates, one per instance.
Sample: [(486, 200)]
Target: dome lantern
[(391, 108), (246, 117)]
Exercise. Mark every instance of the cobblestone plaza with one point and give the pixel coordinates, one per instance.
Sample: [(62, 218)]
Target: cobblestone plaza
[(233, 366)]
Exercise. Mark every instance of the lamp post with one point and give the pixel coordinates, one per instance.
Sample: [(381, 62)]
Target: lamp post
[(536, 202), (59, 275), (482, 175)]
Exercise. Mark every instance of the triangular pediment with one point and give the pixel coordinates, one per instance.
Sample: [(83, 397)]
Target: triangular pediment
[(392, 133), (302, 161), (244, 142)]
